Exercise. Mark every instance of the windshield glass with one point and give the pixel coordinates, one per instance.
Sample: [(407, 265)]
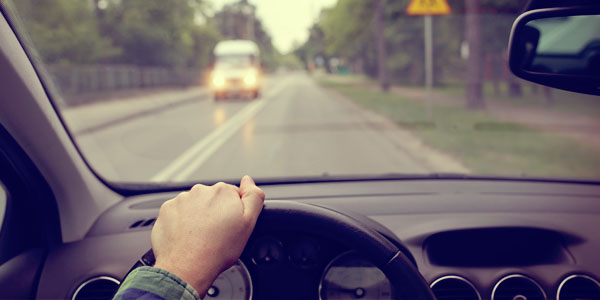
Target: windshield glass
[(337, 88), (233, 61)]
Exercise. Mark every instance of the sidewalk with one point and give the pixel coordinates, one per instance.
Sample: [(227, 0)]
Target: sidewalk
[(585, 129), (83, 119), (582, 128)]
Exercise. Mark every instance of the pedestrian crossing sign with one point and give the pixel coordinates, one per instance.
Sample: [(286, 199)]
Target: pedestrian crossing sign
[(428, 7)]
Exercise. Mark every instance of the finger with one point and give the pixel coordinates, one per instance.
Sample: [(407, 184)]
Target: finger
[(246, 182), (252, 197)]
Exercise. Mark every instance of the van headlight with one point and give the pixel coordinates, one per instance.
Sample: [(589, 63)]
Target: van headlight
[(218, 81), (250, 79)]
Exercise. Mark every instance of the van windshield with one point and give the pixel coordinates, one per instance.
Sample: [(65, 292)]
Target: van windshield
[(234, 61)]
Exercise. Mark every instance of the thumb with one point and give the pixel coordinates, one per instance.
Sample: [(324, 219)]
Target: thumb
[(247, 182), (252, 196)]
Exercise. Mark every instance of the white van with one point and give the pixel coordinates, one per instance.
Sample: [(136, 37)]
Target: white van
[(237, 70)]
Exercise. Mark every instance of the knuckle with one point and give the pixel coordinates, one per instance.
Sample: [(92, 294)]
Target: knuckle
[(257, 192), (197, 187), (180, 196), (220, 185), (224, 187)]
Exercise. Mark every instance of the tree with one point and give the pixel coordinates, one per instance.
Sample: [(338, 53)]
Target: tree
[(65, 31), (238, 21), (348, 27), (474, 85), (499, 16), (347, 30), (315, 45), (205, 38), (381, 51), (153, 32)]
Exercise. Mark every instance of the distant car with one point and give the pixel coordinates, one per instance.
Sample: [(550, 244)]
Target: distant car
[(237, 70)]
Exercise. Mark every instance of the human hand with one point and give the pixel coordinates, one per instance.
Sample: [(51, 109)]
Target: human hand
[(201, 233)]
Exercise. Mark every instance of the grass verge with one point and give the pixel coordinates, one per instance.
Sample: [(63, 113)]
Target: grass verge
[(484, 144), (563, 101)]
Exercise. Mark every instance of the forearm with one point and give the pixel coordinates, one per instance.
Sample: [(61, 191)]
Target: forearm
[(154, 283)]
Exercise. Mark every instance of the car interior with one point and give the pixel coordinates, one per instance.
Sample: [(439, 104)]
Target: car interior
[(67, 233)]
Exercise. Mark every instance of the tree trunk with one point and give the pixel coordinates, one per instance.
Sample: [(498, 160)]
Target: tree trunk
[(548, 98), (514, 88), (416, 72), (475, 60), (534, 88), (381, 51), (495, 60)]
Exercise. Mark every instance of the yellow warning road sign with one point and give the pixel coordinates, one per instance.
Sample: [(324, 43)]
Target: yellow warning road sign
[(428, 7)]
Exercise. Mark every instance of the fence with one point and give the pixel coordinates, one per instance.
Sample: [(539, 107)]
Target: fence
[(77, 81)]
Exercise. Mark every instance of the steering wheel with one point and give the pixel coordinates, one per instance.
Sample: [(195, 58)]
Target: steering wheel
[(401, 271)]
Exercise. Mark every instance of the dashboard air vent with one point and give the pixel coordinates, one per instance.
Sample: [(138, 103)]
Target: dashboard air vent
[(577, 287), (148, 222), (518, 287), (97, 288), (453, 287), (142, 223), (136, 223)]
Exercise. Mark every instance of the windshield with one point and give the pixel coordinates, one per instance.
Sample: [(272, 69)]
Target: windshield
[(339, 88), (233, 61)]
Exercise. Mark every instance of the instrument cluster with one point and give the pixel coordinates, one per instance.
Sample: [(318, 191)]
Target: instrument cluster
[(299, 266)]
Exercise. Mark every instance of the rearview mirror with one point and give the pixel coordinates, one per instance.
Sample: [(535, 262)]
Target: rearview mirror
[(558, 47)]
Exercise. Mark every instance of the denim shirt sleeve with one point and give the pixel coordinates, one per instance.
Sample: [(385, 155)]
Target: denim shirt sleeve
[(148, 283)]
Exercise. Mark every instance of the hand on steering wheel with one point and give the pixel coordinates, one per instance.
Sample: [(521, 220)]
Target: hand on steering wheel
[(406, 281), (200, 233)]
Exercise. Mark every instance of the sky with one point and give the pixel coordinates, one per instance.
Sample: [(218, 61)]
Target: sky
[(287, 21)]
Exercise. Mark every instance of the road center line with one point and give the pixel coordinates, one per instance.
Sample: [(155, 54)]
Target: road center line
[(190, 160)]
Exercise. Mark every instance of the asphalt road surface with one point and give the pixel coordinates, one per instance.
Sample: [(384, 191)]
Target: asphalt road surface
[(295, 129)]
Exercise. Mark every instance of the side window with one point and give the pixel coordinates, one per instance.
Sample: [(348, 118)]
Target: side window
[(2, 204)]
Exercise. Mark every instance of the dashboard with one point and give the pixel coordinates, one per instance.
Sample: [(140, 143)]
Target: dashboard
[(470, 239)]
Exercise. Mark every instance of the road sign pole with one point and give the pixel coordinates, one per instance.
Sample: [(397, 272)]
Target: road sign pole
[(427, 9), (428, 37)]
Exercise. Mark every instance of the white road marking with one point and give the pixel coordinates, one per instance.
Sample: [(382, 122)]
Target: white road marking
[(190, 160)]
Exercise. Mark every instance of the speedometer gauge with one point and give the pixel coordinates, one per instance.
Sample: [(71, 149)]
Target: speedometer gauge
[(233, 283), (350, 276)]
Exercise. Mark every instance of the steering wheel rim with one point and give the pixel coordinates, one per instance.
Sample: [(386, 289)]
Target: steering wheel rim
[(406, 280)]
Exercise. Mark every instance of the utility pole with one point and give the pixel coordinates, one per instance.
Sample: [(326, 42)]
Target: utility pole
[(381, 51)]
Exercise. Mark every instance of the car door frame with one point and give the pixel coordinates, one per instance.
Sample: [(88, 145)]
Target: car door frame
[(30, 226)]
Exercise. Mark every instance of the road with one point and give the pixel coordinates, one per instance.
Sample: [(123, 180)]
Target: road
[(296, 129)]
